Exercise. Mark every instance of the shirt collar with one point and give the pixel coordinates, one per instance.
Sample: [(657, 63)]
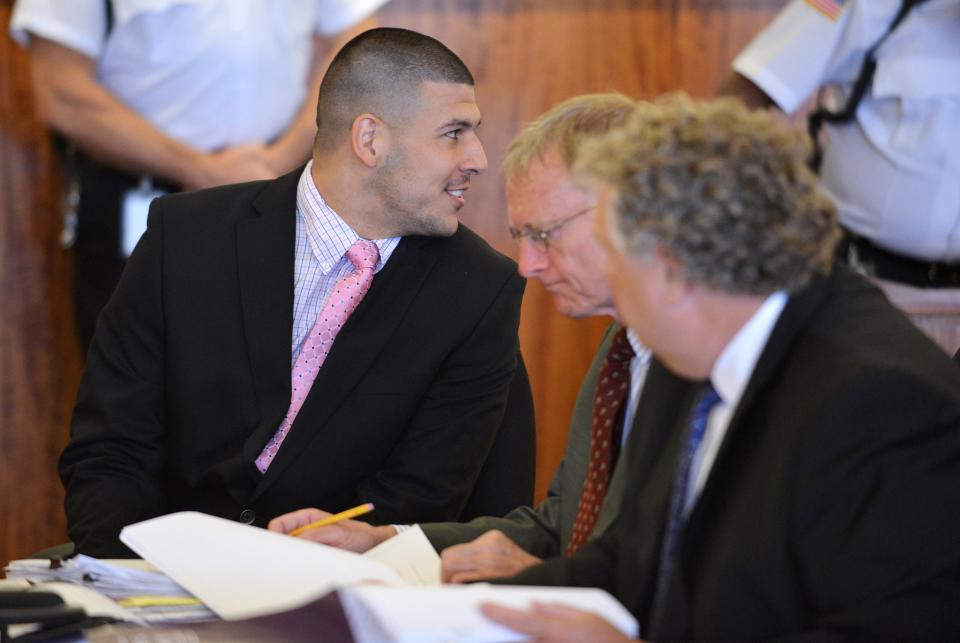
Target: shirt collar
[(734, 366), (641, 352), (329, 235)]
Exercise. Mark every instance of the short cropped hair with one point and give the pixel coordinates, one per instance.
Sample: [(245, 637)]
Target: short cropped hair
[(380, 71), (565, 125), (724, 191)]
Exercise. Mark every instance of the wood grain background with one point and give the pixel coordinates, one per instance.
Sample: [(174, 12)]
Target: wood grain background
[(526, 55)]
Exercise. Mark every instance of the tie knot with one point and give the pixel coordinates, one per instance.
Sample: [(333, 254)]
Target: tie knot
[(363, 254), (708, 399), (620, 348)]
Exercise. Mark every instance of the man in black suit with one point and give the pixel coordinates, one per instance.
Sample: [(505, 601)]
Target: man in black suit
[(795, 465), (186, 400)]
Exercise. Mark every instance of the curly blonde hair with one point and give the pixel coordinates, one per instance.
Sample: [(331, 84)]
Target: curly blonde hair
[(723, 190)]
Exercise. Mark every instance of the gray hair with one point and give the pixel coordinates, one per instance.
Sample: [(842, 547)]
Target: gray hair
[(724, 191)]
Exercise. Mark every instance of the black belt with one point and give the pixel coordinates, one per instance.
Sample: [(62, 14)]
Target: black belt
[(884, 264)]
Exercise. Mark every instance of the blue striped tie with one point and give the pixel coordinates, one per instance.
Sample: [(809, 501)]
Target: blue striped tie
[(673, 529)]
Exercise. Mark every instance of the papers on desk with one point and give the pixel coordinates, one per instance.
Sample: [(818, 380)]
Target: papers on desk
[(241, 572), (113, 578), (101, 587), (411, 555), (452, 612)]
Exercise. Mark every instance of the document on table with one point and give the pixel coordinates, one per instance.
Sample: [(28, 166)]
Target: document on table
[(240, 571), (411, 555), (148, 594), (114, 578), (452, 612)]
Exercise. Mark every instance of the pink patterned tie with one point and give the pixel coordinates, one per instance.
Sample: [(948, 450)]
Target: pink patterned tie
[(342, 300)]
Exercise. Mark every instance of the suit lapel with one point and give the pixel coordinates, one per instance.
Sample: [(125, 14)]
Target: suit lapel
[(265, 268), (795, 317), (357, 345), (793, 320), (653, 449)]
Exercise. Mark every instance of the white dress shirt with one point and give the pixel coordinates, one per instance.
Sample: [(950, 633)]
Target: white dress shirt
[(638, 374), (322, 241), (729, 376)]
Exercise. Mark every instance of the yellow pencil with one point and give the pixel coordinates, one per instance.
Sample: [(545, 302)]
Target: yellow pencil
[(335, 518)]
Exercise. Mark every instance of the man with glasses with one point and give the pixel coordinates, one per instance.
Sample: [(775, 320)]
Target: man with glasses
[(551, 218), (794, 465)]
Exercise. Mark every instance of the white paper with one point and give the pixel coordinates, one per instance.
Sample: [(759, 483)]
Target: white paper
[(411, 555), (113, 578), (93, 602), (452, 612), (240, 571)]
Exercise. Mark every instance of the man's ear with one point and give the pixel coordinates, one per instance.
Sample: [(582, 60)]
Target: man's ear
[(370, 139)]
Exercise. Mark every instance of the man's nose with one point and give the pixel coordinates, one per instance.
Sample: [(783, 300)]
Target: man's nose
[(474, 159), (532, 259)]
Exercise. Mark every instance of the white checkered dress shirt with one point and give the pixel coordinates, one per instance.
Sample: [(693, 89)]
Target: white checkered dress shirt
[(323, 239)]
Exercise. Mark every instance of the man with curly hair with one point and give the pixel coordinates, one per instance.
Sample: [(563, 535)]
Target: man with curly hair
[(796, 468)]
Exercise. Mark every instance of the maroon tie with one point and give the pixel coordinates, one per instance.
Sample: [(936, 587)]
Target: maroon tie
[(613, 386)]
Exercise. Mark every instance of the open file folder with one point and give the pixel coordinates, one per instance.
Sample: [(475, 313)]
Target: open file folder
[(241, 571)]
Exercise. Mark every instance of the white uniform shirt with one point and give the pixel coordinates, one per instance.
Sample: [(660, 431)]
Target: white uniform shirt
[(209, 73), (895, 171)]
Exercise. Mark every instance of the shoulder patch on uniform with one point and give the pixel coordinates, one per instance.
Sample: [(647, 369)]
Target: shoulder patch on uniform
[(829, 8)]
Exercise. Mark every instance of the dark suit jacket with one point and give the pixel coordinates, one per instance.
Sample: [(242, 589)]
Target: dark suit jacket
[(831, 510), (545, 530), (188, 376)]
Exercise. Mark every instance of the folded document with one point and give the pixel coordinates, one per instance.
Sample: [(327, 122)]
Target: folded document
[(240, 571)]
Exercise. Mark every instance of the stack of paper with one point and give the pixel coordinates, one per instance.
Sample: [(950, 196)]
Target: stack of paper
[(113, 578), (241, 571), (146, 593)]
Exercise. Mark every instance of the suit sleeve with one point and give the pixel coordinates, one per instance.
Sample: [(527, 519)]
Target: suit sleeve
[(535, 530), (112, 466), (877, 529), (594, 565), (540, 531), (430, 473)]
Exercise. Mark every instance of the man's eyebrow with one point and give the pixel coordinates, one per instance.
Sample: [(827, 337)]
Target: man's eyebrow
[(460, 123)]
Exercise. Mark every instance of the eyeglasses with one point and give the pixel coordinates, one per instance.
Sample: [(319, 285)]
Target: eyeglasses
[(540, 237)]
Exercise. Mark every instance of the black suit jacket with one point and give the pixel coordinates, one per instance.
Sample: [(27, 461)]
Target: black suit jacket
[(831, 512), (188, 376)]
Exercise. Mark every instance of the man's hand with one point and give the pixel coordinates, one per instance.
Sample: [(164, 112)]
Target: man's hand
[(237, 164), (492, 555), (556, 623), (351, 535)]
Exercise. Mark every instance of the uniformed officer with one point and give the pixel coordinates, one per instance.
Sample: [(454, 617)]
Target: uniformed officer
[(162, 95), (894, 168)]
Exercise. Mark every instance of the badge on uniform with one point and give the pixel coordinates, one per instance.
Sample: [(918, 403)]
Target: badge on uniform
[(829, 8), (136, 207)]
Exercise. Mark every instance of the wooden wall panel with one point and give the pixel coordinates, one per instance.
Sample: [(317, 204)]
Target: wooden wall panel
[(526, 55), (39, 360), (529, 55)]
